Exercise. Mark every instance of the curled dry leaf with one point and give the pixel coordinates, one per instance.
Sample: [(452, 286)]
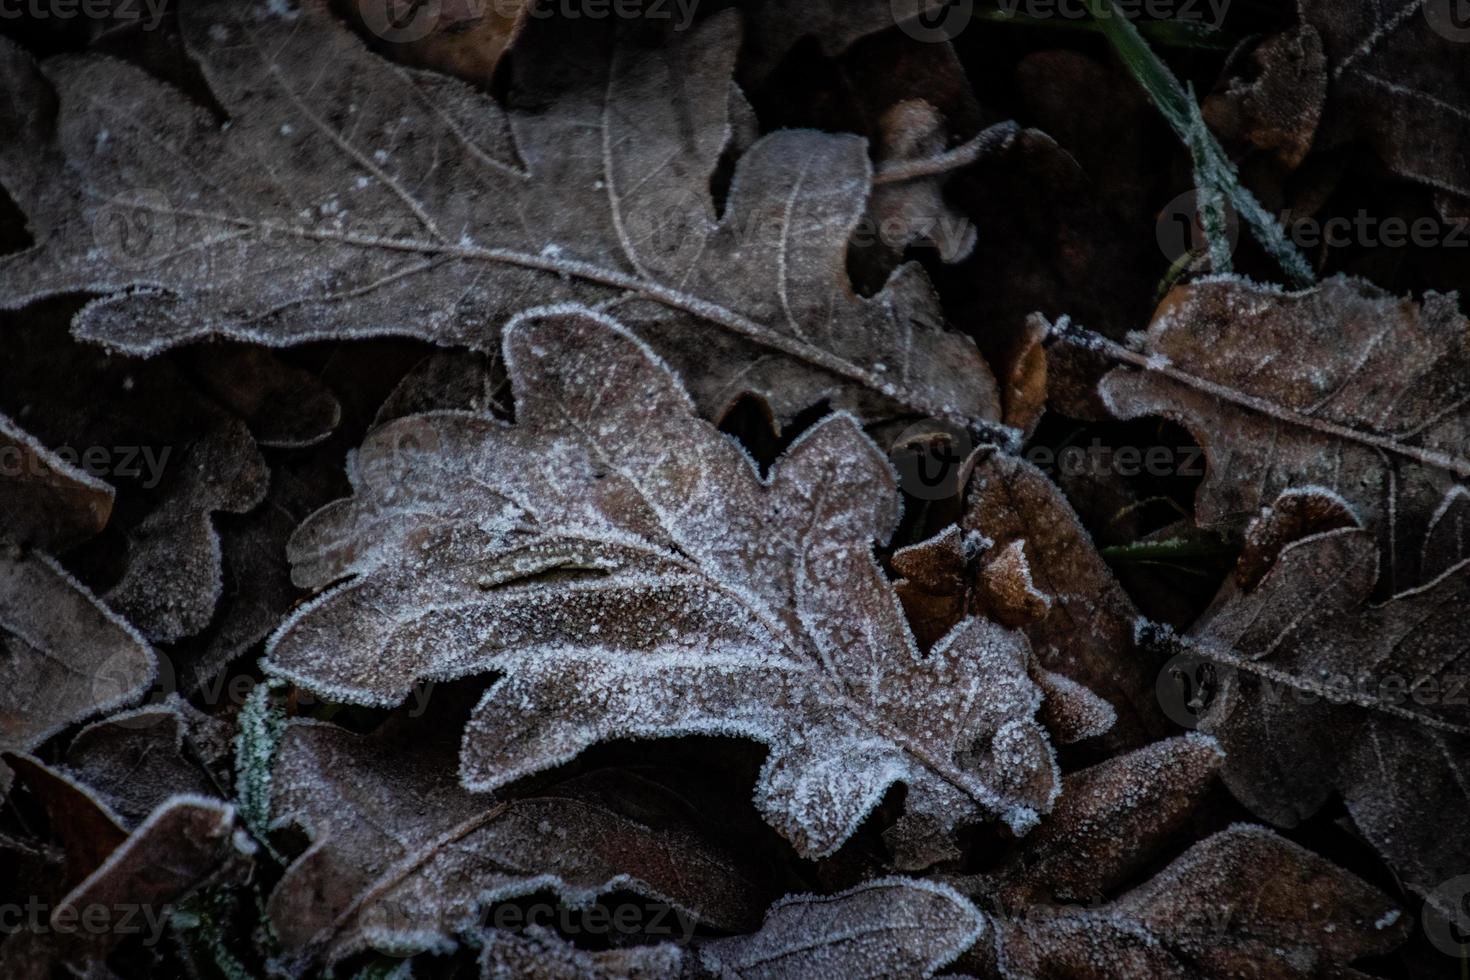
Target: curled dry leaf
[(184, 843), (889, 927), (1086, 632), (419, 207), (613, 556), (403, 859), (1322, 693), (1340, 386)]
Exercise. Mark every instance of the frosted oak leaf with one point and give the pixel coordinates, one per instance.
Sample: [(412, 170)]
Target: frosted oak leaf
[(1329, 694), (402, 202), (628, 571), (1341, 387)]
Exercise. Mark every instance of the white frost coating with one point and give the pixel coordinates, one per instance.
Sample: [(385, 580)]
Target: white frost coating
[(676, 607), (1317, 490)]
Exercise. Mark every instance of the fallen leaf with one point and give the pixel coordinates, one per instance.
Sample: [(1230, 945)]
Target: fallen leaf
[(175, 455), (611, 554), (403, 858), (889, 927), (1340, 386), (45, 502), (1086, 633), (441, 224), (1322, 693), (66, 656), (1232, 903), (1399, 80), (135, 760)]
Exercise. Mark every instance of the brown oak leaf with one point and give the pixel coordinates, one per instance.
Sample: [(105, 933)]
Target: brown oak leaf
[(1340, 386), (403, 858), (888, 927), (1323, 693), (620, 561), (403, 202)]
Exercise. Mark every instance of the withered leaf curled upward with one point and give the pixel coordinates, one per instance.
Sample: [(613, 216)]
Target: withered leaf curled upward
[(403, 858), (1327, 694), (1229, 905), (395, 201), (1340, 386), (889, 927), (627, 569)]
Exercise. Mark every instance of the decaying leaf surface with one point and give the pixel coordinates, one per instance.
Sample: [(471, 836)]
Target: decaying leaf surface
[(889, 927), (403, 859), (610, 553), (1326, 693), (1340, 386), (402, 202), (66, 656)]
